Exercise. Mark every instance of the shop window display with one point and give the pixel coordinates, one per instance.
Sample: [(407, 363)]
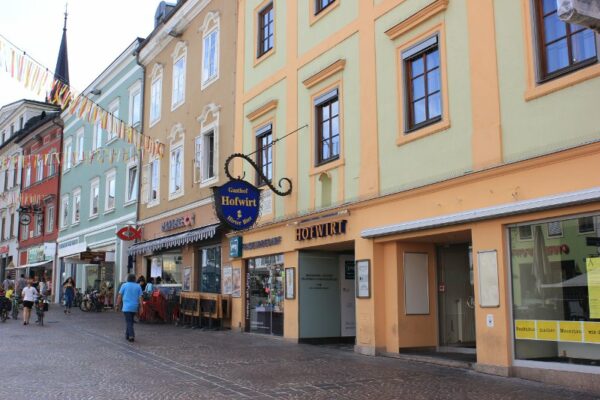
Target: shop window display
[(167, 267), (556, 291), (210, 275), (265, 294)]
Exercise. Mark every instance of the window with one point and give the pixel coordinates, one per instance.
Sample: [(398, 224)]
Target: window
[(554, 229), (132, 183), (320, 5), (210, 56), (94, 197), (423, 84), (5, 180), (21, 124), (79, 144), (178, 82), (198, 159), (68, 156), (264, 153), (39, 169), (175, 170), (562, 47), (553, 310), (38, 224), (208, 155), (50, 219), (327, 113), (24, 232), (155, 99), (586, 225), (210, 270), (76, 206), (109, 200), (98, 134), (266, 32), (64, 211), (28, 176), (135, 105), (154, 181), (2, 226), (114, 110), (14, 224)]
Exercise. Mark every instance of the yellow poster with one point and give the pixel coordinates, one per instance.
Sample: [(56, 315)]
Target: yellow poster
[(524, 329), (591, 331), (547, 330), (593, 280), (570, 331)]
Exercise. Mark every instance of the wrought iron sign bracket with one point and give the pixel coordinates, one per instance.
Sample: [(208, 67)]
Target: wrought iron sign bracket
[(278, 192)]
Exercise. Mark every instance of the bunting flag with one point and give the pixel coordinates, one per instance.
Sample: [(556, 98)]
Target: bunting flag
[(39, 79)]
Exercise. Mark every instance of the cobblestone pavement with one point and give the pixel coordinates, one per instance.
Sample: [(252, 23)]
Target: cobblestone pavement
[(85, 356)]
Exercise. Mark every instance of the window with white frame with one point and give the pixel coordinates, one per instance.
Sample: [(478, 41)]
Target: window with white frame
[(110, 191), (14, 223), (178, 95), (208, 155), (94, 197), (39, 169), (154, 187), (51, 163), (68, 156), (79, 144), (64, 211), (155, 99), (2, 225), (113, 109), (28, 176), (554, 229), (24, 232), (38, 224), (210, 56), (135, 105), (176, 171), (98, 136), (76, 215), (198, 159), (50, 219), (132, 182)]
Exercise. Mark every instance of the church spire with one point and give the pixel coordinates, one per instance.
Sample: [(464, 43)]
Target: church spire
[(61, 72)]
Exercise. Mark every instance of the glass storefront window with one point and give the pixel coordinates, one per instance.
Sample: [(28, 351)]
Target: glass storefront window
[(210, 269), (168, 267), (265, 294), (556, 290)]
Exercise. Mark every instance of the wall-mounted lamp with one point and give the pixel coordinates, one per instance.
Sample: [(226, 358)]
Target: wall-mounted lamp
[(96, 92)]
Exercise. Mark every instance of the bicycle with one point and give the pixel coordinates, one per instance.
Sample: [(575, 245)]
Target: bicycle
[(41, 306), (90, 302), (15, 306), (4, 308)]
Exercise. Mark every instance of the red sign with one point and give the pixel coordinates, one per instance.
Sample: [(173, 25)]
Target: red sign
[(3, 249), (128, 233)]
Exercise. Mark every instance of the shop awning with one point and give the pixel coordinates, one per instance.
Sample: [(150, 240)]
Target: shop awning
[(37, 264), (181, 239)]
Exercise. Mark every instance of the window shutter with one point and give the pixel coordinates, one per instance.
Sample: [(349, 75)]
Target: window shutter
[(145, 192)]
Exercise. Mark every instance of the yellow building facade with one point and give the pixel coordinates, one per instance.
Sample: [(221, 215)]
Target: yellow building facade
[(444, 158)]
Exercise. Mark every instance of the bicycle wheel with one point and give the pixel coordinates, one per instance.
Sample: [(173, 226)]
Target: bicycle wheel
[(15, 311), (4, 316)]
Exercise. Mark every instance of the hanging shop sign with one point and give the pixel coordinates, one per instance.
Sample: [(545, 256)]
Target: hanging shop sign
[(129, 232), (179, 222), (93, 256), (235, 247), (237, 202), (321, 230)]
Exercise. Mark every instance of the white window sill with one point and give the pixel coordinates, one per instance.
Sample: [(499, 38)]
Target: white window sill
[(130, 202), (112, 210), (152, 123), (112, 140), (176, 195), (75, 223), (63, 228), (177, 105), (209, 82), (209, 182), (152, 203), (92, 217)]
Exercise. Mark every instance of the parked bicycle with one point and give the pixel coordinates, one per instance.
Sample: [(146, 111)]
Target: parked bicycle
[(77, 299), (5, 305), (15, 306), (41, 306), (91, 302)]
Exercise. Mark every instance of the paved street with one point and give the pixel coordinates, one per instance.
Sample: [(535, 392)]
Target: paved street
[(85, 356)]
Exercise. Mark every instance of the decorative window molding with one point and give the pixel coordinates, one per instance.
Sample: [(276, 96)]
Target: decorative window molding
[(210, 110), (325, 73), (262, 110), (179, 57), (156, 94), (211, 32), (417, 18), (135, 104)]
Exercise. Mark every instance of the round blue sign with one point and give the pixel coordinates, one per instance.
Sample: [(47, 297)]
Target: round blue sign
[(237, 204)]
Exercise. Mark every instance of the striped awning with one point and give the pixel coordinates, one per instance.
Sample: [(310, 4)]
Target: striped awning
[(178, 240)]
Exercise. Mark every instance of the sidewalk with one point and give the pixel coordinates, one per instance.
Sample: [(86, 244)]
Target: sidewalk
[(85, 355)]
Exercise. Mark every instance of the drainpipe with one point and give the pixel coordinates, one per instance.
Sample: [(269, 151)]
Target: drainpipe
[(57, 278)]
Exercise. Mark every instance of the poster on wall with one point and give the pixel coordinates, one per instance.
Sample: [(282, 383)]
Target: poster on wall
[(593, 281), (237, 283), (187, 279), (156, 268), (363, 287), (489, 288), (290, 292), (227, 280)]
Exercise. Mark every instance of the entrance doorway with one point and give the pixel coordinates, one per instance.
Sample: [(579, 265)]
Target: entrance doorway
[(264, 295), (326, 293), (456, 301)]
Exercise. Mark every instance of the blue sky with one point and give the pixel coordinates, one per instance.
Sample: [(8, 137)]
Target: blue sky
[(97, 32)]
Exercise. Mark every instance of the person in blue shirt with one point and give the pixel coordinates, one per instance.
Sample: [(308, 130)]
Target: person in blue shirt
[(131, 296)]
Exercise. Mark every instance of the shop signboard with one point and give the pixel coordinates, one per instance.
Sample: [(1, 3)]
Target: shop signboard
[(235, 247), (321, 230), (129, 232), (35, 254), (237, 204), (3, 249), (93, 256), (179, 222)]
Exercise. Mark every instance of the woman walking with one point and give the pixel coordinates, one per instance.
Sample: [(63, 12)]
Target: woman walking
[(69, 287), (29, 294)]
